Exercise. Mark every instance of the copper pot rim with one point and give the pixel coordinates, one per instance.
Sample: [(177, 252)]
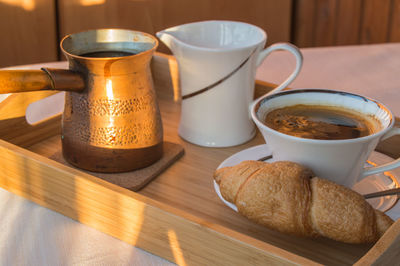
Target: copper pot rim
[(146, 52)]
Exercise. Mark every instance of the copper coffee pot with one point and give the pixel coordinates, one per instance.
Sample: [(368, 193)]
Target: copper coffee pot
[(111, 121)]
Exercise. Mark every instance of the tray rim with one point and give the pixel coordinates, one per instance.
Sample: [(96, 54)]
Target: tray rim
[(11, 154), (224, 241)]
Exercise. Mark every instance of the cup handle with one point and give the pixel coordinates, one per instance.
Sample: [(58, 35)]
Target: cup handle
[(385, 167), (288, 47)]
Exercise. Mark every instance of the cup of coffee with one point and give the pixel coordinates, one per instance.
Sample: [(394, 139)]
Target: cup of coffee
[(331, 132)]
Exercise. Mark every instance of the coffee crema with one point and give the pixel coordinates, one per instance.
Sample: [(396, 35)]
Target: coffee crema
[(321, 122)]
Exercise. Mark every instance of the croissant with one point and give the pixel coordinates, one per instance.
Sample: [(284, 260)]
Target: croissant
[(285, 196)]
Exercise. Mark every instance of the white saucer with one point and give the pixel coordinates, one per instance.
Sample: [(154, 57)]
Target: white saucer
[(369, 184)]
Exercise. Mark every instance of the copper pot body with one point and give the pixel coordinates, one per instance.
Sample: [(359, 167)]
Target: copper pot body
[(114, 124)]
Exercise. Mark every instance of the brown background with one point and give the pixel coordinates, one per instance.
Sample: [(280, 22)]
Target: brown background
[(31, 29)]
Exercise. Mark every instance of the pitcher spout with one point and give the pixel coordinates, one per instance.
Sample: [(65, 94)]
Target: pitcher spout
[(167, 38)]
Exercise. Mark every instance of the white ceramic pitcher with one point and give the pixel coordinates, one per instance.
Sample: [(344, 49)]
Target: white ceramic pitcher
[(217, 63)]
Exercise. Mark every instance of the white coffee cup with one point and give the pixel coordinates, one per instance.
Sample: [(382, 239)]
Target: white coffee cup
[(217, 63), (341, 161)]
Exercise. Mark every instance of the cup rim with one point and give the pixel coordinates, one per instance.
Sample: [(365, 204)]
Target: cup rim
[(220, 49), (257, 103)]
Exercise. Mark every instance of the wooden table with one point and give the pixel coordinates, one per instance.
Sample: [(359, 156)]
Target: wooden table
[(369, 70), (34, 235)]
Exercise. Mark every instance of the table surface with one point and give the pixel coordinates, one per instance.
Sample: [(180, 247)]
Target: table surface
[(34, 235)]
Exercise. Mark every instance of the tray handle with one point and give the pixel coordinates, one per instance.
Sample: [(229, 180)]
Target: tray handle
[(14, 127)]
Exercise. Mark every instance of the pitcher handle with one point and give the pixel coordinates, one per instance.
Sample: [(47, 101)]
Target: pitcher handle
[(287, 47), (385, 167)]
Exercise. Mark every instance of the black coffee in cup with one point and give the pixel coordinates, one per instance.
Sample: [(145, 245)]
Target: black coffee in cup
[(321, 122), (105, 54)]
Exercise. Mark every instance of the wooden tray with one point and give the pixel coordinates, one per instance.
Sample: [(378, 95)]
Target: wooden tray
[(178, 216)]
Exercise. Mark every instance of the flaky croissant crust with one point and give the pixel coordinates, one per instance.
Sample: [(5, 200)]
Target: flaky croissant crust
[(286, 196)]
